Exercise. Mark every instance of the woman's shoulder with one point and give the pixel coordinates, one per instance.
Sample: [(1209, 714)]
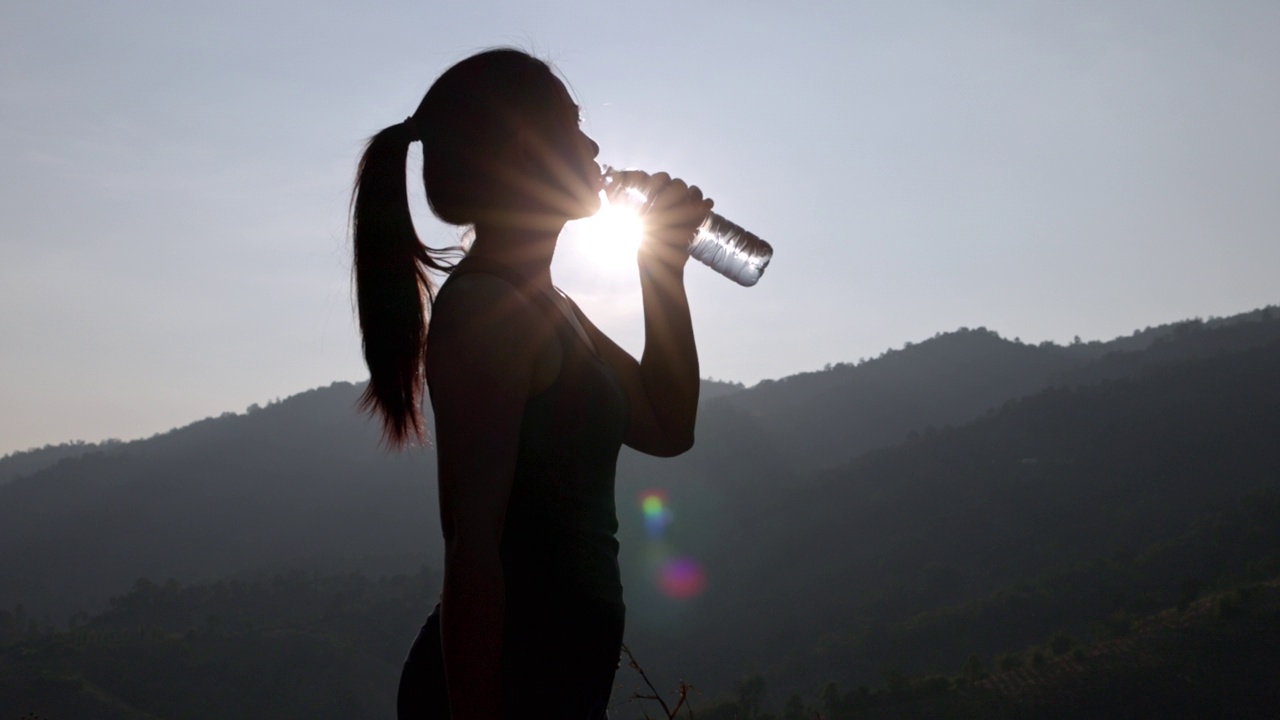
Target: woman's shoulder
[(482, 302), (484, 330)]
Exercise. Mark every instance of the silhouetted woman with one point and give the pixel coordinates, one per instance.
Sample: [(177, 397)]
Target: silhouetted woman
[(532, 402)]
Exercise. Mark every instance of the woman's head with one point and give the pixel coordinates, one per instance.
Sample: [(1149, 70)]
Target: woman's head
[(500, 146), (500, 138)]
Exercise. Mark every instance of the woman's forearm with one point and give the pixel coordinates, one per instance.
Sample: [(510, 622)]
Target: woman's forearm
[(669, 365)]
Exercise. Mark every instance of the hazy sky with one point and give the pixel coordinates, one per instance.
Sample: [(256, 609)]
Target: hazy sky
[(175, 178)]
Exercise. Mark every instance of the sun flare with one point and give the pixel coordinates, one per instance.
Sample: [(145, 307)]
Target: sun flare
[(613, 235)]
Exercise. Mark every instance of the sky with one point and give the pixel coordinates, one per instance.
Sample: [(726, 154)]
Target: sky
[(173, 194)]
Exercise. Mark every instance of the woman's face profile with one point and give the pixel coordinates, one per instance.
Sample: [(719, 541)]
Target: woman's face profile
[(564, 160)]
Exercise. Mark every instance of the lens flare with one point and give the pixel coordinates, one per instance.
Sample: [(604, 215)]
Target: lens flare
[(614, 234), (681, 578), (656, 513)]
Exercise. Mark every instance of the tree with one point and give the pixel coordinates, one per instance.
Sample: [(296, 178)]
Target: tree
[(1061, 645), (896, 681), (794, 709), (750, 694), (972, 670), (831, 705)]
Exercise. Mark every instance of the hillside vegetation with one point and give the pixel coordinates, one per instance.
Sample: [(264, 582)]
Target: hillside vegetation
[(885, 524)]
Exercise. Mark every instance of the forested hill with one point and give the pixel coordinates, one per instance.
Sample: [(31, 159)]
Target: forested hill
[(295, 425), (305, 478), (946, 379), (828, 417), (1049, 513), (967, 495)]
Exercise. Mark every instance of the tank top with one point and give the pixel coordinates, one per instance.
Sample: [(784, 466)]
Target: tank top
[(559, 548)]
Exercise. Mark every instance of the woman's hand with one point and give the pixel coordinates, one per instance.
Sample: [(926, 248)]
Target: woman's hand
[(671, 215)]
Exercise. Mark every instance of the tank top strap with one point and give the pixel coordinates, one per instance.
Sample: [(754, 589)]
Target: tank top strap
[(522, 284), (560, 310)]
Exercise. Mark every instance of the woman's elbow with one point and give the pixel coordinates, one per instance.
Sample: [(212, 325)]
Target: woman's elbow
[(676, 445), (652, 438)]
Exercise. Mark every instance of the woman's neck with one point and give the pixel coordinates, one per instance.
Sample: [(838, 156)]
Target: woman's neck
[(527, 252)]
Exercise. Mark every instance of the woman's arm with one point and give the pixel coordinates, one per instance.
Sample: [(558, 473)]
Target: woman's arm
[(485, 343), (662, 387)]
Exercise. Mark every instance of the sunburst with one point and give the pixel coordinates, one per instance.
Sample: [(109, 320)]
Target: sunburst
[(613, 235)]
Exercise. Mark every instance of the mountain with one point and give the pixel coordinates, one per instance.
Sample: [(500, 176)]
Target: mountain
[(1037, 491), (300, 480), (901, 512), (827, 418)]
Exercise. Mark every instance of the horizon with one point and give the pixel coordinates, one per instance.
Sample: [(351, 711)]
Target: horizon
[(263, 403), (173, 234)]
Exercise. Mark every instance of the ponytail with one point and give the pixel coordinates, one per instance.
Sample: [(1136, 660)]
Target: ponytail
[(465, 115), (393, 290)]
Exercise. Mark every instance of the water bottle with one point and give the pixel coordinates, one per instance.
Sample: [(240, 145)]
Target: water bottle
[(720, 245)]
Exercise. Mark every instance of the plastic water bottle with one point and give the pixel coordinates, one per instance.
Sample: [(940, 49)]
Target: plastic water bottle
[(720, 245)]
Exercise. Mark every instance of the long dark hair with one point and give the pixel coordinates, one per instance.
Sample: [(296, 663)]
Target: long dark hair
[(462, 122)]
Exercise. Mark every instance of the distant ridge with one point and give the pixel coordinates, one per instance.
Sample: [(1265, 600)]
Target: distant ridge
[(764, 398), (828, 417), (856, 517), (25, 462)]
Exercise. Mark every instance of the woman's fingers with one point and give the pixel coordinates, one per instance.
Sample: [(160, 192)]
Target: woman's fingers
[(663, 192), (672, 210), (654, 188), (675, 205), (695, 194)]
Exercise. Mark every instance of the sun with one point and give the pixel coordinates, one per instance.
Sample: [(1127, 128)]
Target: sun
[(612, 236)]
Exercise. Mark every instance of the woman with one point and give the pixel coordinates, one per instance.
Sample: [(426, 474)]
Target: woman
[(531, 400)]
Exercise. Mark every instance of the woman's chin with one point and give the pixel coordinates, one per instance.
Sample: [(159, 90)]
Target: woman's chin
[(573, 204), (583, 207)]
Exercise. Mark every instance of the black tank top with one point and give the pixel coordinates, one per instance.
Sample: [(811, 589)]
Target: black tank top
[(559, 548)]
